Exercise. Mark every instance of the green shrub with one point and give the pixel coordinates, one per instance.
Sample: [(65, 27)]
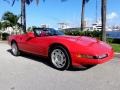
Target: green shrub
[(5, 36), (96, 34), (110, 40)]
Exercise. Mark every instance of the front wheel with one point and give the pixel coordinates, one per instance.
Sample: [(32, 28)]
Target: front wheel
[(60, 58), (14, 49)]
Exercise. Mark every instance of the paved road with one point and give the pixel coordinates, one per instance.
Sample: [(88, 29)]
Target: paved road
[(23, 73)]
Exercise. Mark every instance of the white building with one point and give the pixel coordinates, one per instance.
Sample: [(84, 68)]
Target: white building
[(97, 26), (63, 25)]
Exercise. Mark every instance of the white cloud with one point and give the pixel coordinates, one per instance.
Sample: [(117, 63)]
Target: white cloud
[(112, 15)]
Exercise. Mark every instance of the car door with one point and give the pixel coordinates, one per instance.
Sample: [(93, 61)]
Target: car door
[(22, 43), (38, 45)]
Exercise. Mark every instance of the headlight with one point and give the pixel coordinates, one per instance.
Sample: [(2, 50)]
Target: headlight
[(93, 57)]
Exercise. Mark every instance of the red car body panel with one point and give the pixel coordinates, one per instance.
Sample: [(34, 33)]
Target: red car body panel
[(76, 45)]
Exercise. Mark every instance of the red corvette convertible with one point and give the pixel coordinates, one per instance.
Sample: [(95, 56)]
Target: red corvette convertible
[(61, 49)]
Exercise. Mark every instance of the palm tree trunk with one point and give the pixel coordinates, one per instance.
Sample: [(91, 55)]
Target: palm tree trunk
[(103, 18), (1, 36), (82, 15), (23, 15)]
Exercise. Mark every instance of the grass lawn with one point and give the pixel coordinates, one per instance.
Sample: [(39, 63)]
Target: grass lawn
[(116, 47)]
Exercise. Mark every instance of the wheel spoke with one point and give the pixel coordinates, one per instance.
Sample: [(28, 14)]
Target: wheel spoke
[(58, 58), (15, 50)]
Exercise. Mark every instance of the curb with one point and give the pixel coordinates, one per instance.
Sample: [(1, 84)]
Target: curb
[(117, 55)]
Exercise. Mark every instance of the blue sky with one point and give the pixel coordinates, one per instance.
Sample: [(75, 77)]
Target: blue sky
[(52, 12)]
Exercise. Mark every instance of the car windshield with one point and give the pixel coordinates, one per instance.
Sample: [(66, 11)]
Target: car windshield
[(55, 32), (47, 32)]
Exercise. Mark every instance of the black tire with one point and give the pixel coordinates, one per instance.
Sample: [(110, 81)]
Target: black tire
[(65, 64), (14, 49)]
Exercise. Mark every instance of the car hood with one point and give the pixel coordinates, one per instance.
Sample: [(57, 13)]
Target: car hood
[(90, 44), (81, 39)]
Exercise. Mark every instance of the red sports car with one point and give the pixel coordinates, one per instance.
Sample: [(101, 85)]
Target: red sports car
[(62, 50)]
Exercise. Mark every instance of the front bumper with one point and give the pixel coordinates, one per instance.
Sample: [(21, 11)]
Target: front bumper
[(85, 61)]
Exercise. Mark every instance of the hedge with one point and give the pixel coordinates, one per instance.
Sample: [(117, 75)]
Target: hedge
[(95, 34)]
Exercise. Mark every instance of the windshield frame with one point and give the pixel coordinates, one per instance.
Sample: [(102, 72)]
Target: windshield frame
[(47, 31)]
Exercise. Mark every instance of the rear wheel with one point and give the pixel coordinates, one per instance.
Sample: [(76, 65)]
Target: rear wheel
[(60, 58), (15, 49)]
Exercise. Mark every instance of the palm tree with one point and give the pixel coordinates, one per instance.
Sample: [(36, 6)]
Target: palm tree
[(10, 20), (103, 19), (0, 31), (82, 13), (23, 12), (0, 25)]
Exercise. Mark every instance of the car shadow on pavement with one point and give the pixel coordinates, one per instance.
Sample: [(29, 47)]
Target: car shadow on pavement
[(82, 68), (46, 61)]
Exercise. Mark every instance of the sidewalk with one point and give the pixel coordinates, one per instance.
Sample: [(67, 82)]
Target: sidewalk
[(3, 41)]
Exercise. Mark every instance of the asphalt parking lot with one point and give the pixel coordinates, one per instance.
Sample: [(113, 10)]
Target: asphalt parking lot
[(31, 73)]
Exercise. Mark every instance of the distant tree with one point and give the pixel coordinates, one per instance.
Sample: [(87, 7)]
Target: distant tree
[(5, 24), (9, 19), (30, 29), (82, 12)]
